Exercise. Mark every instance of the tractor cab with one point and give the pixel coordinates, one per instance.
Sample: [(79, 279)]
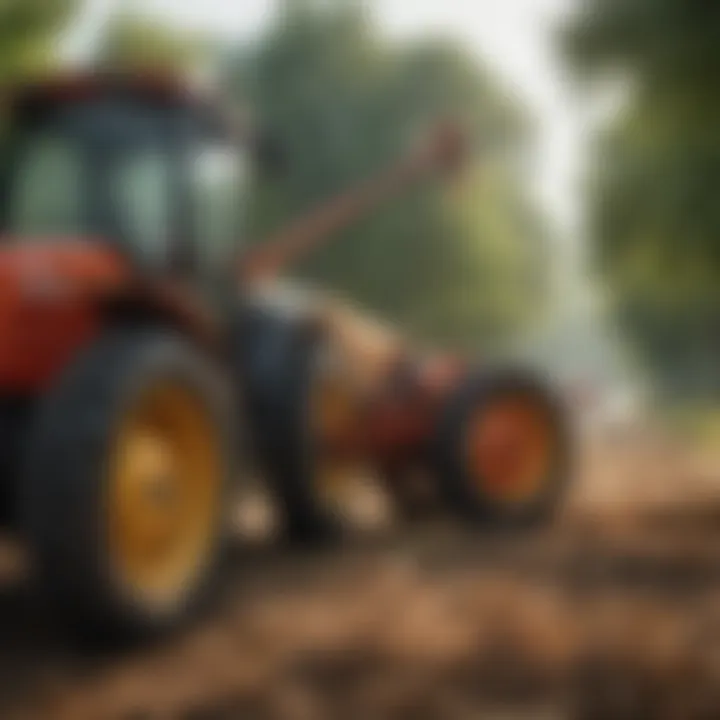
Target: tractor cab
[(141, 165)]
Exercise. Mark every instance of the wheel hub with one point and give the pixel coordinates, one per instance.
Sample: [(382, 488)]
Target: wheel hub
[(510, 448), (164, 493)]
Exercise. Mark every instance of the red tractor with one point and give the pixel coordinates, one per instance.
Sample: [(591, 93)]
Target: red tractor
[(133, 363)]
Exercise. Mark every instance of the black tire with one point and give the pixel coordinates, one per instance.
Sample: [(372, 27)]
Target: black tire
[(15, 418), (463, 494), (289, 447), (263, 345), (64, 493), (277, 360)]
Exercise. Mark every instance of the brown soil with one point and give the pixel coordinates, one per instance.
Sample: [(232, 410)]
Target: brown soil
[(614, 612)]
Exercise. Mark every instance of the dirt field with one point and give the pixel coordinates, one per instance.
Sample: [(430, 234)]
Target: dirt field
[(612, 613)]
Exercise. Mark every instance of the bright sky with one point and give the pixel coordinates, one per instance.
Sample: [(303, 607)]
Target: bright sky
[(514, 36)]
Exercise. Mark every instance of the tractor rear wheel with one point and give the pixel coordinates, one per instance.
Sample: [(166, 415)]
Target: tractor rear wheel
[(291, 418), (502, 452), (126, 477)]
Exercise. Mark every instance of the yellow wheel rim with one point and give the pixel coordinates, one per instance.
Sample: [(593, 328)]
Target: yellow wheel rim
[(511, 448), (164, 490)]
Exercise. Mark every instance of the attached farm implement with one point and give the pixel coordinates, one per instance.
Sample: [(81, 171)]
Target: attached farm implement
[(140, 348)]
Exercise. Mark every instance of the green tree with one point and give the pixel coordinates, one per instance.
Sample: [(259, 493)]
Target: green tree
[(29, 31), (654, 214), (135, 42), (467, 266)]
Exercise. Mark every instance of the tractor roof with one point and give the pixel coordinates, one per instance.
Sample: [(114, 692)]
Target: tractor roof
[(68, 88), (156, 90)]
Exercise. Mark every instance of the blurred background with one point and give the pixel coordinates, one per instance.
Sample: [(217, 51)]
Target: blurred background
[(583, 233), (583, 237), (501, 260)]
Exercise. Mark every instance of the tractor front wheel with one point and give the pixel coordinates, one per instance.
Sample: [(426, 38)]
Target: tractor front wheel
[(502, 453), (126, 473)]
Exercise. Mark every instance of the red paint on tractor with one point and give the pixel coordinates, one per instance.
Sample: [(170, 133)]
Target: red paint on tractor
[(47, 305), (395, 423)]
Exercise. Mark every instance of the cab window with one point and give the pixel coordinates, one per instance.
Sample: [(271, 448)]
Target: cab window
[(46, 196), (142, 195), (218, 175)]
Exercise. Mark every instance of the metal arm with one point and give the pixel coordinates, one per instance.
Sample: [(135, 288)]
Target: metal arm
[(446, 149)]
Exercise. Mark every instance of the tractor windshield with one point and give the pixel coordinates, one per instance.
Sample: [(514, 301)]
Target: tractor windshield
[(101, 169), (44, 190), (218, 178), (151, 178)]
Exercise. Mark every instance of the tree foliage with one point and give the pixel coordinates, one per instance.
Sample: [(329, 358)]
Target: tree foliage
[(655, 216), (466, 266), (133, 42), (28, 34)]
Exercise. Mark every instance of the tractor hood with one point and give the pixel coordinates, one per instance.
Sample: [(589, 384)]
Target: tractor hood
[(49, 292), (55, 267)]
